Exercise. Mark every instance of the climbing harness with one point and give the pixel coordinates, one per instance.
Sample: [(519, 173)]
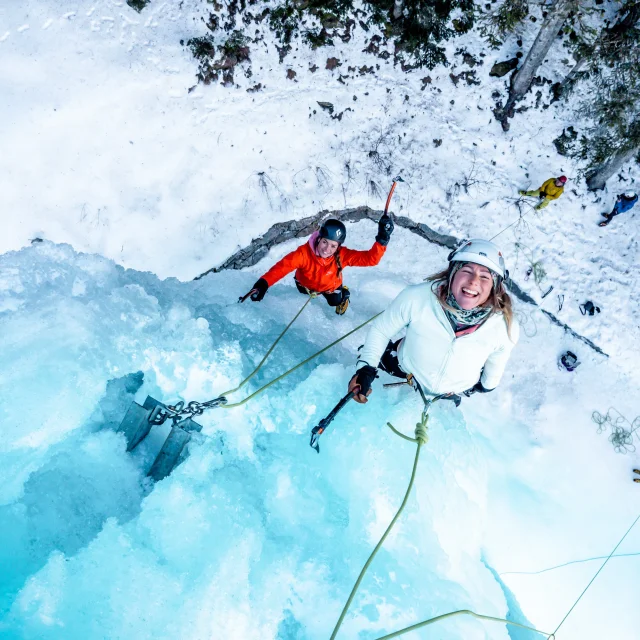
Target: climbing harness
[(421, 438), (316, 432)]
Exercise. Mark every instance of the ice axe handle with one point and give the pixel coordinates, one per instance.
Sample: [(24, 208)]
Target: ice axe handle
[(393, 188), (243, 298), (316, 432)]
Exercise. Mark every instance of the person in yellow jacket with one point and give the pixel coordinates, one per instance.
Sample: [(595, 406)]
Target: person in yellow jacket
[(550, 189)]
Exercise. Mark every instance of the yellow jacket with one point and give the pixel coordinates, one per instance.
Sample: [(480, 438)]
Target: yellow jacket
[(549, 189)]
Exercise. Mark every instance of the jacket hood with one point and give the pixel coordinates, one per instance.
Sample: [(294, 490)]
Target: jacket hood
[(313, 241)]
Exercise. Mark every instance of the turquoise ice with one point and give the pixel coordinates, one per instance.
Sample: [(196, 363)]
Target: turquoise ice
[(255, 535)]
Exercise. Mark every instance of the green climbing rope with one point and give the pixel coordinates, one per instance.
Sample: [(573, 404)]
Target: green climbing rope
[(422, 436), (300, 364), (420, 439), (273, 346), (396, 634)]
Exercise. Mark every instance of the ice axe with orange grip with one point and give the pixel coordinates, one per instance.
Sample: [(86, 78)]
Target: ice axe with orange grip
[(393, 188)]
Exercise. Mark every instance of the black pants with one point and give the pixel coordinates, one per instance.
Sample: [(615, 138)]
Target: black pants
[(333, 298)]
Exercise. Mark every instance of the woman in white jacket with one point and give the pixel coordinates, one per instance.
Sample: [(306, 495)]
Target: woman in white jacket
[(459, 324)]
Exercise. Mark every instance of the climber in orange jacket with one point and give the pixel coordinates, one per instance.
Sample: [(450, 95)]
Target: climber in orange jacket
[(319, 263)]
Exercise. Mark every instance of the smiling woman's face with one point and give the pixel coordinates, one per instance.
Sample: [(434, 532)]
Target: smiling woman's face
[(326, 248), (471, 285)]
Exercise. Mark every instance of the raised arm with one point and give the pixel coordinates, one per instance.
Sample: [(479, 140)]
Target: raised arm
[(369, 258)]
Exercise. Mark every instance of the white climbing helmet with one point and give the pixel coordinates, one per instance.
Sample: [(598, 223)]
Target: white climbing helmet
[(481, 252), (629, 195)]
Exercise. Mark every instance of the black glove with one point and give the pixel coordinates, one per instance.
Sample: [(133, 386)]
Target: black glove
[(260, 289), (365, 377), (477, 388), (385, 229)]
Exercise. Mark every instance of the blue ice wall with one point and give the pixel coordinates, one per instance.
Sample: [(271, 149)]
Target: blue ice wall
[(255, 535)]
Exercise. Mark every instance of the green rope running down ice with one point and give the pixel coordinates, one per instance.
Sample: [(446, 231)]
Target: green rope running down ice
[(550, 636), (300, 364), (273, 346), (421, 438)]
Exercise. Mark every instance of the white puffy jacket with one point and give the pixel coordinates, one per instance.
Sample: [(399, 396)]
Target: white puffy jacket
[(430, 351)]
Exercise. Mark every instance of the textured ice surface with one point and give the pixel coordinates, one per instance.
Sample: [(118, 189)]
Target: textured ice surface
[(255, 535)]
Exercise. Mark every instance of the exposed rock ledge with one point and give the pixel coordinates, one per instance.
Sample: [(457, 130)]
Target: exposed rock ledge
[(284, 231)]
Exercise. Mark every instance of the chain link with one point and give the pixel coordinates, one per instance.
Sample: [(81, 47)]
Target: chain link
[(179, 411)]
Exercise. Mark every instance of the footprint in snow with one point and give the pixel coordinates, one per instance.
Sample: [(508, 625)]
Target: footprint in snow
[(24, 27), (5, 36)]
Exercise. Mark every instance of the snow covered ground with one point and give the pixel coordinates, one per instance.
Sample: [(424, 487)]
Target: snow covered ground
[(256, 536)]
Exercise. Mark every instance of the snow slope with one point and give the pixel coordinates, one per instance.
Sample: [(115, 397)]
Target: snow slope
[(109, 151), (105, 149)]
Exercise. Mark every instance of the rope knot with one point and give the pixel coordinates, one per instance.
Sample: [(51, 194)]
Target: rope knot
[(422, 435)]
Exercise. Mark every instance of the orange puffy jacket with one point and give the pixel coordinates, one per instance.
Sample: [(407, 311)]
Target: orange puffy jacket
[(321, 274)]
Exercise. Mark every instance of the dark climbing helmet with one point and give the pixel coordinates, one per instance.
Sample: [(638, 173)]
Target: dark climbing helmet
[(333, 230), (569, 361)]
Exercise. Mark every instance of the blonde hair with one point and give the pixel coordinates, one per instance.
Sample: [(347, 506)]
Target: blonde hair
[(499, 300)]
